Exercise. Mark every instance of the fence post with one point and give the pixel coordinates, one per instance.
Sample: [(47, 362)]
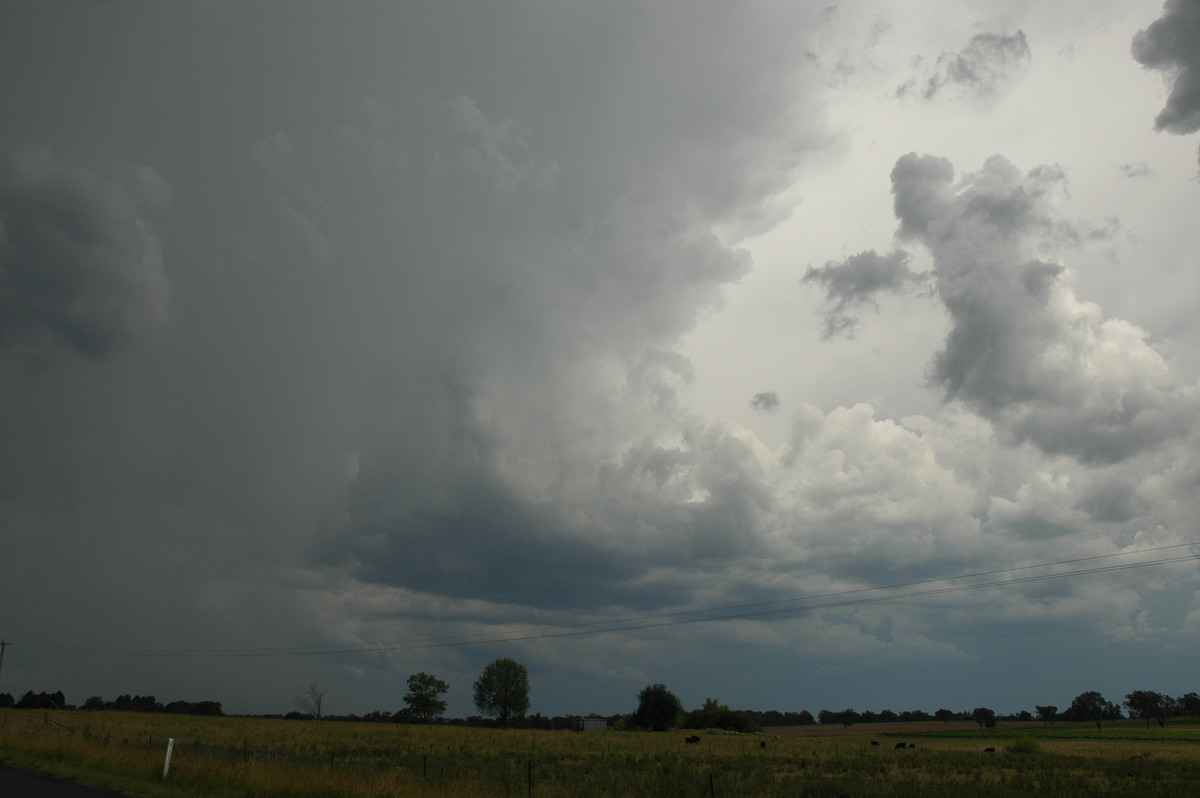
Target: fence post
[(167, 761)]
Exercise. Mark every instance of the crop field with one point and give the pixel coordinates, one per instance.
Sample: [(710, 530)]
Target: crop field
[(258, 757)]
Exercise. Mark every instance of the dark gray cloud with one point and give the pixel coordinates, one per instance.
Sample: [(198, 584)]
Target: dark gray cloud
[(766, 400), (856, 282), (421, 320), (81, 264), (981, 68), (432, 267), (1171, 44), (1023, 350)]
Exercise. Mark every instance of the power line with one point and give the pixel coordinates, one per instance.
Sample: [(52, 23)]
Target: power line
[(798, 604)]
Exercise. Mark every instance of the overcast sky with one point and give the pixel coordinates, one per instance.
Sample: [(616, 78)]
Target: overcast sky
[(342, 341)]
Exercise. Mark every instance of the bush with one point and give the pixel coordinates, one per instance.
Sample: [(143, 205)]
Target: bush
[(1024, 745)]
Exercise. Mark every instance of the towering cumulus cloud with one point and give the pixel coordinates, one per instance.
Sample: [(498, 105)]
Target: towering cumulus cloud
[(80, 263), (1023, 349)]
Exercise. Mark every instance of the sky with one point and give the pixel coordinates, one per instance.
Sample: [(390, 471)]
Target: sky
[(778, 352)]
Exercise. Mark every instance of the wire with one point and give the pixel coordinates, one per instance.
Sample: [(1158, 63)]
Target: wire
[(798, 604)]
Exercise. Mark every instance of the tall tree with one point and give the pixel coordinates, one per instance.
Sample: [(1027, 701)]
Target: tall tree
[(1047, 713), (658, 708), (423, 696), (502, 690), (1089, 705)]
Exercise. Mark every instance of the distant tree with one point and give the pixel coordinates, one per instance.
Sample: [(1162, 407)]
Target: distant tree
[(715, 715), (658, 708), (848, 717), (1147, 704), (1189, 703), (1024, 716), (1047, 713), (984, 717), (311, 700), (7, 700), (1088, 706), (95, 702), (944, 715), (32, 700), (502, 690), (210, 708), (423, 696)]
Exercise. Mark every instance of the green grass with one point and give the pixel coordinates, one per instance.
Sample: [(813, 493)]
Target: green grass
[(264, 758)]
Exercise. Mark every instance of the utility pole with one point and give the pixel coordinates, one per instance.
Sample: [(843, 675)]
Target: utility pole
[(3, 645)]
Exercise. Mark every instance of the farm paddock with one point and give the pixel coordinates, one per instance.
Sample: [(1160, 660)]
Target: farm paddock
[(231, 756)]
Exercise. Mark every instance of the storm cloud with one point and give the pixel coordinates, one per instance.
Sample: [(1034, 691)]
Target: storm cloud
[(403, 332), (81, 263)]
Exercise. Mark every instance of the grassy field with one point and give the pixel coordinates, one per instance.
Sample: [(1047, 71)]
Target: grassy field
[(256, 757)]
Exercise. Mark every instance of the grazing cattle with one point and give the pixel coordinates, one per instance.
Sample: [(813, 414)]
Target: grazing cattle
[(902, 745), (875, 743), (695, 738), (762, 744), (989, 750)]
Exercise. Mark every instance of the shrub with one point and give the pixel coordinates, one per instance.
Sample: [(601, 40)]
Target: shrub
[(1024, 745)]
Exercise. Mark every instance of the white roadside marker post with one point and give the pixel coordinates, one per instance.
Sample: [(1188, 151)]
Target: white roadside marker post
[(167, 761)]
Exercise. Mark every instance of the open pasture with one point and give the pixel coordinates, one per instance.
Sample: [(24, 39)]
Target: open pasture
[(259, 757)]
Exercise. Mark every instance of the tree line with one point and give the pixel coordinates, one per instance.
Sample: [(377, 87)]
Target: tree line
[(125, 703), (501, 694)]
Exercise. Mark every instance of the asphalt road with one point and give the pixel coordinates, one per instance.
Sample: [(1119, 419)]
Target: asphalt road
[(16, 783)]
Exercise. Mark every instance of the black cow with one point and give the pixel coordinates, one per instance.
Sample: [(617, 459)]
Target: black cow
[(902, 745), (989, 750), (875, 743), (695, 738)]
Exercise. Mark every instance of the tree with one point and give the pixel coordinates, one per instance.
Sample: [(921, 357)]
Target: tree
[(1047, 713), (984, 717), (1148, 704), (502, 690), (1189, 703), (658, 708), (715, 715), (311, 700), (944, 715), (1088, 706), (422, 697)]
